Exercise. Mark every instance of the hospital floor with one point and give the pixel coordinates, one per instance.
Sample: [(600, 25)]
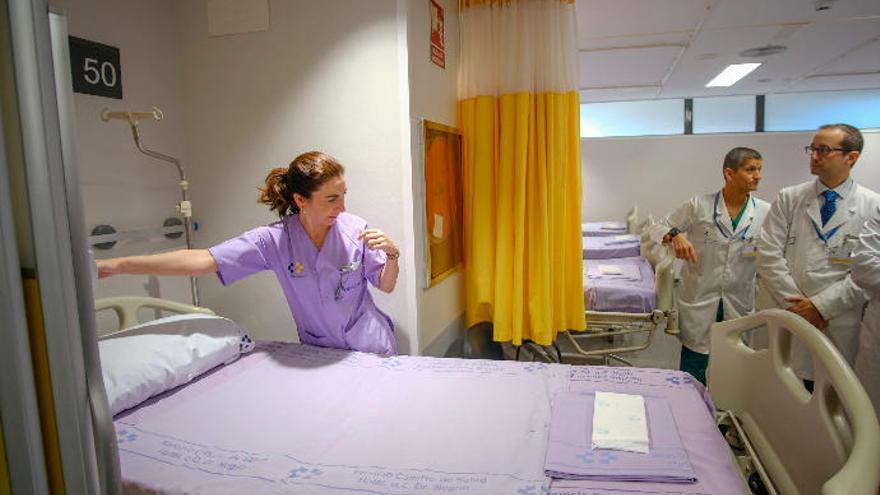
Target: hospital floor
[(662, 353)]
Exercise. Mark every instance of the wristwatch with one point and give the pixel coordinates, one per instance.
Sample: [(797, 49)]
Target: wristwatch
[(673, 232)]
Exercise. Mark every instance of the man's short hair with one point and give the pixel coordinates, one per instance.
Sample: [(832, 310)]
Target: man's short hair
[(738, 156), (853, 140)]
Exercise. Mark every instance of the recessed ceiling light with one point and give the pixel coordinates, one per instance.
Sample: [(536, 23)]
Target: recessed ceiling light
[(730, 75)]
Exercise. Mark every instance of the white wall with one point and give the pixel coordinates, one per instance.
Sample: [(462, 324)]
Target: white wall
[(660, 173), (433, 96), (325, 76), (120, 186)]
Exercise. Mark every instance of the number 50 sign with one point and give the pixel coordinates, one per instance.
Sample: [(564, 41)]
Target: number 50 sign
[(95, 68)]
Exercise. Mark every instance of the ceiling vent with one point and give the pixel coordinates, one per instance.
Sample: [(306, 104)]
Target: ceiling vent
[(763, 51)]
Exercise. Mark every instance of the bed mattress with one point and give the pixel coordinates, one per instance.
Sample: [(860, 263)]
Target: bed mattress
[(602, 229), (298, 419), (632, 291), (605, 247)]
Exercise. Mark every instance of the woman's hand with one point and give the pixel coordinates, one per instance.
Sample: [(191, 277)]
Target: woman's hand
[(107, 267), (376, 239)]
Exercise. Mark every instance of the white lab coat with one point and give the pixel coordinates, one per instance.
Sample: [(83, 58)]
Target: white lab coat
[(794, 261), (866, 274), (725, 267)]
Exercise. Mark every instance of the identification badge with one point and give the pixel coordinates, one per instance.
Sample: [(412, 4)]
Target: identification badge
[(843, 253), (350, 267), (749, 250)]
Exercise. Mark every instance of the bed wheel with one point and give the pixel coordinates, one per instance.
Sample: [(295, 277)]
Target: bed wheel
[(756, 484)]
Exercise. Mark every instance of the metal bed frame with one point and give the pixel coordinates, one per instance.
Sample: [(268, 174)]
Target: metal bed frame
[(602, 325)]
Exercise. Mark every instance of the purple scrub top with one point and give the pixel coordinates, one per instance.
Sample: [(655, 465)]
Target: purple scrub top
[(326, 290)]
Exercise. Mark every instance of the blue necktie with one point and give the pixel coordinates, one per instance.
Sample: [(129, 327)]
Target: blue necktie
[(830, 206)]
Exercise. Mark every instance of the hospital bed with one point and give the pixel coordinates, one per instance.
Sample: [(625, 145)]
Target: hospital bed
[(613, 228), (608, 247), (624, 307), (237, 428), (826, 442)]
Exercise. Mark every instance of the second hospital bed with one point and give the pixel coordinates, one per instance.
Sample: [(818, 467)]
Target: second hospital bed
[(288, 418), (626, 298)]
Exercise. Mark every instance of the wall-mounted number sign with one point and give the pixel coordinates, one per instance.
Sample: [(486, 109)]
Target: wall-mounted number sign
[(95, 68)]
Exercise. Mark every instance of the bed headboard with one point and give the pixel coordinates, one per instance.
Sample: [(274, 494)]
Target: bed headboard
[(127, 307), (827, 442)]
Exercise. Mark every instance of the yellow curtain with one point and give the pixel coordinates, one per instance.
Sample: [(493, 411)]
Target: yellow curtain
[(519, 113)]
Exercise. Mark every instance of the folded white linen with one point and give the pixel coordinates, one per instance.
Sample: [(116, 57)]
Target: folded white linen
[(619, 422), (610, 270)]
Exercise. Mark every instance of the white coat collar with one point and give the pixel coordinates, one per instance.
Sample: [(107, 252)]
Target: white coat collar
[(845, 205), (723, 215)]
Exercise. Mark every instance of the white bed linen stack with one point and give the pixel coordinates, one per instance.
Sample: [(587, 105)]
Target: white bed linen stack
[(619, 422)]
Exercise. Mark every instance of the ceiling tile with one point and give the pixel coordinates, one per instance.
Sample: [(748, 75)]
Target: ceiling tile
[(624, 18), (625, 67)]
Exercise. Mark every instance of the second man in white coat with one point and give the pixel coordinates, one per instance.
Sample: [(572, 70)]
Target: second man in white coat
[(805, 252), (715, 234)]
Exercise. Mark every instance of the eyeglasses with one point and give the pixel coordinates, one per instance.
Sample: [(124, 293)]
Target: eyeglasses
[(822, 150)]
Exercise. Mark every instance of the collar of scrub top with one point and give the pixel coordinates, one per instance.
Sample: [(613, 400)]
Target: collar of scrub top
[(347, 268), (838, 219), (742, 233)]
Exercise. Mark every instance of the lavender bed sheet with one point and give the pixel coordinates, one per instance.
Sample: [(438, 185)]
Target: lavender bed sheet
[(601, 229), (617, 294), (707, 452), (298, 419), (617, 246)]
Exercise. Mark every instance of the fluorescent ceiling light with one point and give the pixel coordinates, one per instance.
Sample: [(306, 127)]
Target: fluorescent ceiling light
[(732, 74)]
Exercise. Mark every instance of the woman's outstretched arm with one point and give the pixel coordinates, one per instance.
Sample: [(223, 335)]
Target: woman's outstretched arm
[(181, 262)]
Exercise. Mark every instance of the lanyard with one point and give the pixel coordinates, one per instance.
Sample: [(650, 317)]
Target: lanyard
[(742, 235), (824, 237)]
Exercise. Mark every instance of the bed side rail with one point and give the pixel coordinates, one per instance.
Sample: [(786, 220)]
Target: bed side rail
[(662, 258), (826, 442), (127, 307), (632, 220)]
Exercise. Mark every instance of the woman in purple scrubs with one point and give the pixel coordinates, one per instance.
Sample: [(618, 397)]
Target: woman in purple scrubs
[(321, 255)]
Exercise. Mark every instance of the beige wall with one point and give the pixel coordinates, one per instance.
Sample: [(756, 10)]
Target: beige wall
[(122, 187), (433, 97), (662, 172)]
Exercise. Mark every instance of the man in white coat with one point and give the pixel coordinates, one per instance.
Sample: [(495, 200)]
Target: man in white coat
[(715, 233), (806, 246), (866, 274)]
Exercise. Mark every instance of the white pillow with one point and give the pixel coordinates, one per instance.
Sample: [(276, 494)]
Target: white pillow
[(159, 355)]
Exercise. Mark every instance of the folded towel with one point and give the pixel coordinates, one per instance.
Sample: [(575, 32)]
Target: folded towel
[(612, 271), (571, 456), (613, 226), (621, 239), (619, 422)]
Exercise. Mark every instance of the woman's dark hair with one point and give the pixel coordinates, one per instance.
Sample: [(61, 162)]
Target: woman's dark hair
[(305, 175)]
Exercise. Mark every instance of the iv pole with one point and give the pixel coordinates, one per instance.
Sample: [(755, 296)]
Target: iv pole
[(184, 208)]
